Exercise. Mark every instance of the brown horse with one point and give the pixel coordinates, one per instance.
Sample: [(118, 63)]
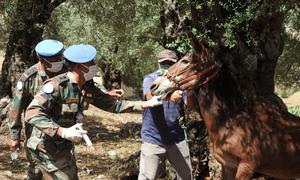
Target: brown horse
[(244, 139)]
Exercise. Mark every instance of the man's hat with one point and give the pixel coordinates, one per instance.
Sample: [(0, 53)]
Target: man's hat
[(80, 53), (167, 55), (49, 47)]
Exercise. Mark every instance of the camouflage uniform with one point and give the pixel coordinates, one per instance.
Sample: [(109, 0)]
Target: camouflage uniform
[(27, 86), (57, 106)]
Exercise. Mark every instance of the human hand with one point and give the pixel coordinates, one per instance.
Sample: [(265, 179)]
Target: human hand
[(13, 144), (154, 101), (118, 93), (73, 133), (176, 96)]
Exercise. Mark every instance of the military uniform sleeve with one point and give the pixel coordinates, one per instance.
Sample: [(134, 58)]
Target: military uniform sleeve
[(38, 112), (101, 87), (108, 103), (21, 100)]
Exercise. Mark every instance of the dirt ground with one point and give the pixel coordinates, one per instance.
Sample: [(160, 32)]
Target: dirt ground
[(104, 131)]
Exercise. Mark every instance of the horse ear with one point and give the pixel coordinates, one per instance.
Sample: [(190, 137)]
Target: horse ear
[(194, 42)]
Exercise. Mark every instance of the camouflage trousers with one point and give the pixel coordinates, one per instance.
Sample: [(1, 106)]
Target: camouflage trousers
[(61, 166), (66, 173), (33, 170)]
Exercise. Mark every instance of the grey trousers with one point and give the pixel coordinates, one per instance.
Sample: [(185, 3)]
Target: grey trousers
[(153, 157)]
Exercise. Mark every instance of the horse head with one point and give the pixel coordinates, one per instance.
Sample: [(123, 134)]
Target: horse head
[(193, 70)]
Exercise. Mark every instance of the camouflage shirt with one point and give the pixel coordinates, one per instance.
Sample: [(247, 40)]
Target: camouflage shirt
[(57, 105), (27, 86)]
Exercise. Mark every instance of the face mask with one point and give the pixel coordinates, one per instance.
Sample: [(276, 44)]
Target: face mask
[(162, 72), (92, 72), (55, 66), (164, 66)]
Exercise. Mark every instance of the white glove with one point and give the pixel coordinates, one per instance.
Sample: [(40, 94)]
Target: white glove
[(154, 101), (73, 133)]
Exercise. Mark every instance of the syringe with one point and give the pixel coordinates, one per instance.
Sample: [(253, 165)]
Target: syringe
[(87, 139)]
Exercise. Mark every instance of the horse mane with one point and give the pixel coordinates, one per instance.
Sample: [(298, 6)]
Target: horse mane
[(227, 90), (224, 85)]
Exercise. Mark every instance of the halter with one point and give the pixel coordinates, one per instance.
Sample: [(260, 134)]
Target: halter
[(210, 73)]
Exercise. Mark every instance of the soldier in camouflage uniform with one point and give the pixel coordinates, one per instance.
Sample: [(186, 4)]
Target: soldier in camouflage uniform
[(50, 64), (53, 113)]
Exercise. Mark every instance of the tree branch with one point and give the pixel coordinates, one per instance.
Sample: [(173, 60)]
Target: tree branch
[(55, 4)]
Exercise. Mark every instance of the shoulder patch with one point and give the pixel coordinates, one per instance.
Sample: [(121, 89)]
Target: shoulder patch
[(61, 78), (55, 81), (48, 88), (19, 85), (29, 72)]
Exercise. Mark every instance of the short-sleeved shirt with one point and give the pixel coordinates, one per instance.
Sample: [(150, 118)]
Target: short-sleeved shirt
[(160, 124)]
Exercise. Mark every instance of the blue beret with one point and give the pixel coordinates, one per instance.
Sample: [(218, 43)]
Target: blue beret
[(80, 53), (49, 47)]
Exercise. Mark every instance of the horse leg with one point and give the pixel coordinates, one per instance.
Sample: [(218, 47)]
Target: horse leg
[(244, 171), (228, 173)]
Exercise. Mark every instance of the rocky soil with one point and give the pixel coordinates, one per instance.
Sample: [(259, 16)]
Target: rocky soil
[(114, 136)]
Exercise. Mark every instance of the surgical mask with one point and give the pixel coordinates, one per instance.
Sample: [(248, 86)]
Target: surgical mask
[(164, 66), (55, 66), (91, 73), (162, 72)]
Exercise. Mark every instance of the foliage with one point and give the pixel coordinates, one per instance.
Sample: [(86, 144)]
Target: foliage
[(295, 110), (288, 68), (182, 44), (125, 33), (229, 19), (7, 9), (285, 92)]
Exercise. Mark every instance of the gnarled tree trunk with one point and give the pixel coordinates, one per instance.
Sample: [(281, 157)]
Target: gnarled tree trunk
[(112, 78), (26, 31)]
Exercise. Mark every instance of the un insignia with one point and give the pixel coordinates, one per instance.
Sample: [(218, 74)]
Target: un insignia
[(19, 85), (48, 88)]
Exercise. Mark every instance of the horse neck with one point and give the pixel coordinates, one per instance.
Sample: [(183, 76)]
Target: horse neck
[(218, 101)]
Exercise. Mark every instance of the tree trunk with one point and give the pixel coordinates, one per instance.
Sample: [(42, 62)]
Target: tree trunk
[(268, 49), (26, 31), (169, 20), (112, 78)]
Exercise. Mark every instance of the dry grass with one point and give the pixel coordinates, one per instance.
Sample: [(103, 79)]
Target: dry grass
[(293, 100), (103, 162)]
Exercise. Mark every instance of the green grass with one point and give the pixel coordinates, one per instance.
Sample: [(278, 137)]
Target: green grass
[(295, 110)]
